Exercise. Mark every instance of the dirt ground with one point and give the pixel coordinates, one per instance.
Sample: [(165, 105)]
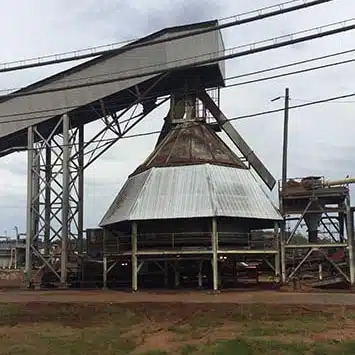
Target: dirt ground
[(238, 297), (162, 328), (113, 323)]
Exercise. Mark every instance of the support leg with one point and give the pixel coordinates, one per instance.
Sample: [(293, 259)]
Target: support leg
[(65, 203), (200, 285), (134, 257), (29, 221), (104, 276), (36, 198), (341, 227), (215, 254), (283, 262), (350, 233), (320, 271), (278, 255), (176, 274), (81, 190), (166, 274), (47, 200)]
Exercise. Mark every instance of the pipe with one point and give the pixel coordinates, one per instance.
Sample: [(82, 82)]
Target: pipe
[(344, 181)]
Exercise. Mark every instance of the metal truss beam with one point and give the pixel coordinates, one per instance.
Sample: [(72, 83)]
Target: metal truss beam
[(54, 205), (287, 243), (55, 186)]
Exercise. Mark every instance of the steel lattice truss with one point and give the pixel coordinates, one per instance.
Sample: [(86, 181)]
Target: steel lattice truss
[(56, 165)]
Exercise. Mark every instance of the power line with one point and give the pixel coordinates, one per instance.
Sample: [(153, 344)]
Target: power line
[(305, 61), (320, 33), (252, 115), (261, 113), (189, 91), (293, 73), (97, 51), (333, 102)]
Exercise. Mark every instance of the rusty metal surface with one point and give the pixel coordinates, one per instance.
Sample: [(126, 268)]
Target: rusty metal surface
[(191, 191), (238, 140), (189, 144)]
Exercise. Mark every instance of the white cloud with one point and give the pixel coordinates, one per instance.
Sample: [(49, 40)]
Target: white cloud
[(321, 139)]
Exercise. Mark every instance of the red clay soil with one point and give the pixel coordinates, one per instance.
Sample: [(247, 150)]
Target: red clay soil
[(240, 297)]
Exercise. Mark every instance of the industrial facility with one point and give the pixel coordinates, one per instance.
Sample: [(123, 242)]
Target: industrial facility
[(196, 213)]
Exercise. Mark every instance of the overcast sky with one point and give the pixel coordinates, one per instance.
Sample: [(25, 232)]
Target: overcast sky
[(321, 137)]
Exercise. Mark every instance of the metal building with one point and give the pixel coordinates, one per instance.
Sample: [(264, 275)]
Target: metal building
[(193, 198), (121, 88), (12, 253)]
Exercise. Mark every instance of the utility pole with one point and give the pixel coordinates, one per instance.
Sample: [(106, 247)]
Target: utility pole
[(285, 139), (284, 180), (285, 135), (281, 244)]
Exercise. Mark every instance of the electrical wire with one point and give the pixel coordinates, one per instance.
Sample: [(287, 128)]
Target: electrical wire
[(305, 61), (333, 102), (292, 73), (212, 57), (261, 113), (252, 50), (252, 115), (93, 52), (117, 107)]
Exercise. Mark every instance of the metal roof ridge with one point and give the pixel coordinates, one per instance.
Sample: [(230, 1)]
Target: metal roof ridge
[(149, 173)]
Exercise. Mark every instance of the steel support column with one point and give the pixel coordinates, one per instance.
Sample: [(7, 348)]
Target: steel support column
[(277, 256), (215, 254), (166, 273), (29, 213), (104, 271), (350, 235), (176, 273), (134, 257), (283, 252), (56, 185), (200, 281), (36, 197), (65, 203), (81, 189), (52, 211), (47, 202)]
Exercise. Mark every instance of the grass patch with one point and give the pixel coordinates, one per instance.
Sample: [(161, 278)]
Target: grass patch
[(188, 349), (256, 347), (291, 326), (217, 329)]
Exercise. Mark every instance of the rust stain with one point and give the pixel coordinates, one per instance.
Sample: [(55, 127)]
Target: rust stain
[(191, 143)]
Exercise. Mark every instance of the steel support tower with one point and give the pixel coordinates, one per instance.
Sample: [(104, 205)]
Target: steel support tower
[(325, 209)]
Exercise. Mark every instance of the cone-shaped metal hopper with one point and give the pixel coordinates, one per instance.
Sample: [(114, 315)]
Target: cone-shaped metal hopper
[(312, 221), (192, 173)]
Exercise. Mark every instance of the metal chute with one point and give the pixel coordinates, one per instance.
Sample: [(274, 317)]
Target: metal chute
[(238, 140)]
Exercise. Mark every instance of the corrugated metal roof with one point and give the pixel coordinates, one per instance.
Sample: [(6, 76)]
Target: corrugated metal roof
[(126, 198), (190, 192), (42, 106)]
